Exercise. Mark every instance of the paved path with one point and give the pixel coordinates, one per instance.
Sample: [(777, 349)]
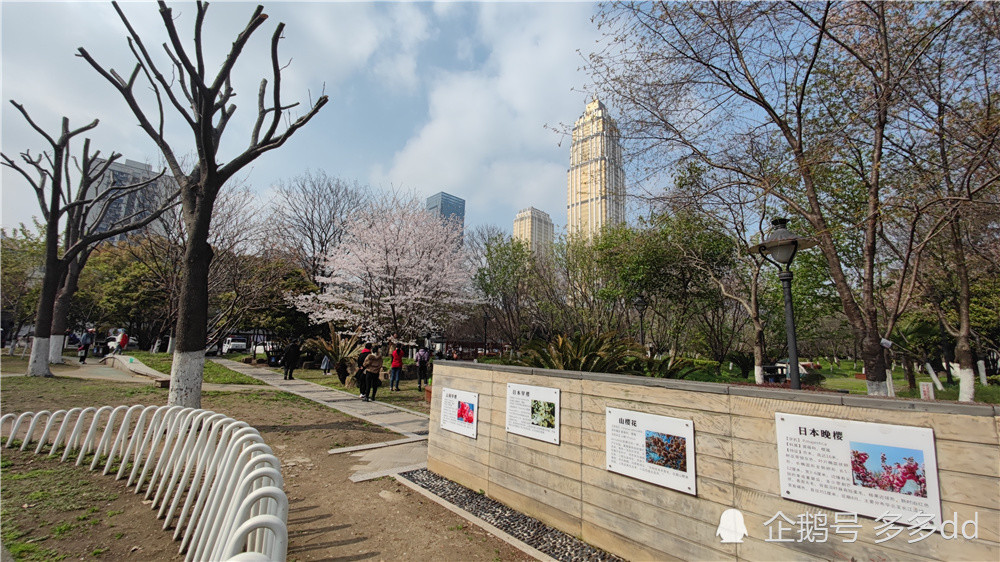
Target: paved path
[(94, 369), (377, 459)]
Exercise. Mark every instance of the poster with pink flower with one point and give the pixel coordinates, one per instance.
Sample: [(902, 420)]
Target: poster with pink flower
[(858, 467), (459, 411)]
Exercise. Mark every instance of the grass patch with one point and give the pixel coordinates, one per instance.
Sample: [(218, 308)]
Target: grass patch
[(46, 504), (213, 372), (62, 529), (984, 394), (262, 397)]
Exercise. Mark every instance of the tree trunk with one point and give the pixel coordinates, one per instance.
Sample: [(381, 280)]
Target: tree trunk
[(60, 310), (188, 366), (38, 364), (963, 347), (758, 355), (874, 361), (911, 377)]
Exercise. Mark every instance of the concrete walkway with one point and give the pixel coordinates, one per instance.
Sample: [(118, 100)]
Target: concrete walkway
[(95, 369), (374, 460)]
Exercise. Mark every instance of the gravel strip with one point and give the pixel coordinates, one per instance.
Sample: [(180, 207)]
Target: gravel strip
[(531, 531)]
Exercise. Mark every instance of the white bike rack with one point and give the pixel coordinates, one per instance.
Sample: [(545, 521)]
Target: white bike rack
[(234, 505)]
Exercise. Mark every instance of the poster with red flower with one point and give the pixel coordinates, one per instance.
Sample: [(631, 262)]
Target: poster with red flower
[(858, 467), (458, 411)]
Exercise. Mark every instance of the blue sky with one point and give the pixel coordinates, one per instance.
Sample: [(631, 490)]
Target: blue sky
[(455, 97)]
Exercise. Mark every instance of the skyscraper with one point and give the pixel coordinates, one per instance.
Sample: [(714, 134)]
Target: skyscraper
[(596, 184), (447, 206), (535, 228), (135, 205)]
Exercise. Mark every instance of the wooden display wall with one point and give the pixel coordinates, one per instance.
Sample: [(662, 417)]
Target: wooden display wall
[(568, 487)]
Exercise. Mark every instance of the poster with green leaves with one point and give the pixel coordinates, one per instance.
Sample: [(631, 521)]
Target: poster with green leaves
[(533, 411)]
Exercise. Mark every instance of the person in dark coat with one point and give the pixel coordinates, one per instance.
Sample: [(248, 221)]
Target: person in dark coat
[(290, 358), (85, 343)]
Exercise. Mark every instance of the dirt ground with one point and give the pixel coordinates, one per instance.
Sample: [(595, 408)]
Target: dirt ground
[(56, 509)]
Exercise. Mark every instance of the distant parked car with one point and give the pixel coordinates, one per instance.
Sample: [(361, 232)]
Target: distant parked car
[(268, 346), (234, 343)]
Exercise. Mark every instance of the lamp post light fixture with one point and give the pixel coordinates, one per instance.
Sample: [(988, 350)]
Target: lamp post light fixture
[(779, 247), (640, 305)]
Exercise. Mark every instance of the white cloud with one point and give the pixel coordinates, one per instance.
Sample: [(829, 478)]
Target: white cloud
[(485, 139), (478, 133)]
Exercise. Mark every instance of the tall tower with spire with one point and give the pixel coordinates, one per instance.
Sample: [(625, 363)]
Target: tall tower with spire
[(596, 179)]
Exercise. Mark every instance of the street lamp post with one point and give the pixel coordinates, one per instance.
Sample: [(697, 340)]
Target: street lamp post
[(640, 305), (779, 248)]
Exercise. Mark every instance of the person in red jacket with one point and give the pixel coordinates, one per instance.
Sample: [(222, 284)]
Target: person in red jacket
[(395, 367), (122, 344)]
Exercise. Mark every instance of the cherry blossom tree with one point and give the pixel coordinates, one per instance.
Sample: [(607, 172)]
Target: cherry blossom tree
[(399, 271)]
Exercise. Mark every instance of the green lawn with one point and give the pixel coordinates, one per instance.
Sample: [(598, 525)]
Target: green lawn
[(214, 373)]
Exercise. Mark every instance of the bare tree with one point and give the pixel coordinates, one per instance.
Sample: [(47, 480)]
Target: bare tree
[(153, 196), (204, 104), (309, 216), (83, 210)]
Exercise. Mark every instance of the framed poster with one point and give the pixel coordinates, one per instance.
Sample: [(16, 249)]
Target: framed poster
[(460, 411), (858, 467), (533, 411), (653, 448)]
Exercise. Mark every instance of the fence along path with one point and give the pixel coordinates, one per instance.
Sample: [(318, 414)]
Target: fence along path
[(212, 477)]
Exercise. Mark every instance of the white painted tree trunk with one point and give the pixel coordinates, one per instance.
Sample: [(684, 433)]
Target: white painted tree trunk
[(982, 372), (170, 345), (877, 388), (966, 385), (56, 344), (185, 379), (930, 371), (889, 386), (758, 374), (38, 363), (156, 346)]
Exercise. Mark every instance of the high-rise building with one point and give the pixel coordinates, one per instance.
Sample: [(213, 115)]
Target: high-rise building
[(447, 206), (136, 204), (596, 184), (535, 228)]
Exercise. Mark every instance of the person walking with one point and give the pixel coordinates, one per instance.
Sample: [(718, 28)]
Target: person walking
[(396, 366), (372, 369), (360, 375), (290, 358), (324, 365), (122, 344), (423, 358), (85, 342)]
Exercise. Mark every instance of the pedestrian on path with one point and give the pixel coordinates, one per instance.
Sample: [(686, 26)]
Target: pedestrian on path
[(372, 368), (85, 342), (290, 358), (360, 375), (423, 358), (122, 344), (396, 366)]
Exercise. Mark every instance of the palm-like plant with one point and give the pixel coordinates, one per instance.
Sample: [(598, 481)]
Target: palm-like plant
[(603, 353), (337, 348)]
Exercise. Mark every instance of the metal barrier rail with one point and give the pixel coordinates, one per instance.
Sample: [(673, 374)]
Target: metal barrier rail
[(234, 505)]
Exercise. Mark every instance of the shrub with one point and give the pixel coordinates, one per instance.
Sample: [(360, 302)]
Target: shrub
[(602, 353)]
